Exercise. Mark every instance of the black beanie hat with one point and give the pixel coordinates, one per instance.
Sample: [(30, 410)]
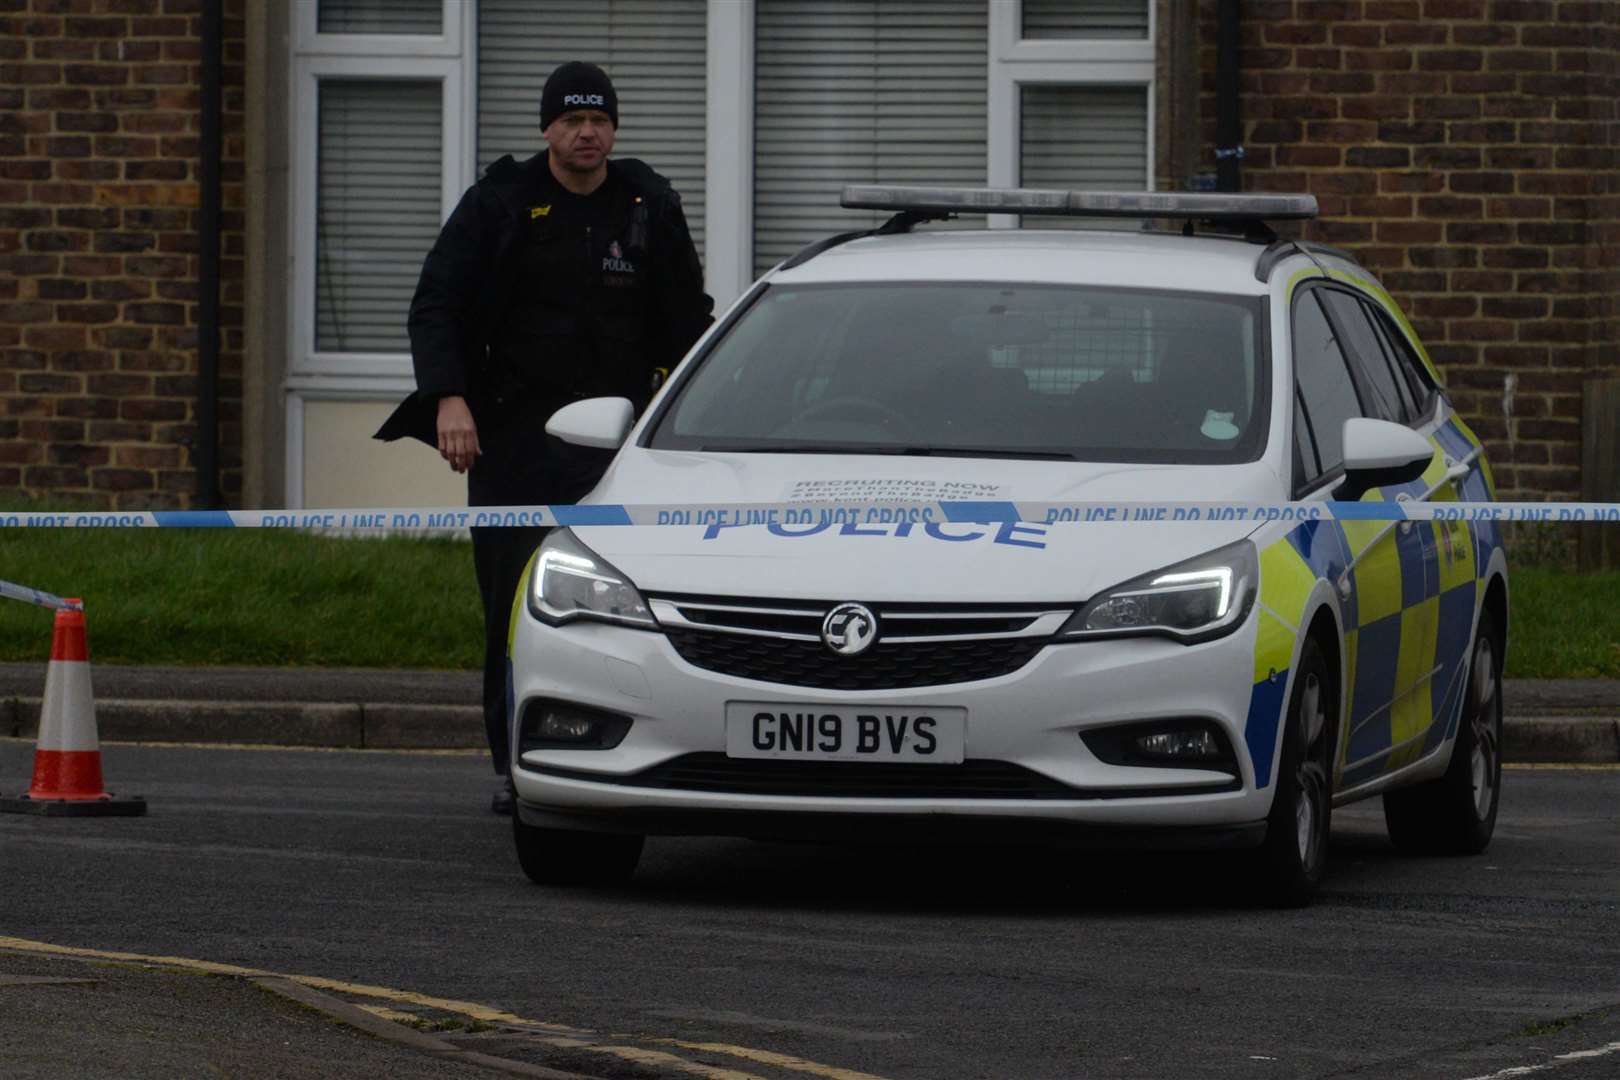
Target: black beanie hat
[(577, 85)]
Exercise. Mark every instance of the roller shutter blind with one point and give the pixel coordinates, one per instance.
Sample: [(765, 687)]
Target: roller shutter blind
[(656, 53), (853, 91), (1048, 20), (377, 208), (1083, 138)]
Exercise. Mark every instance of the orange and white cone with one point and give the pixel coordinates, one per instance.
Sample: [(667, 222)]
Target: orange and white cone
[(67, 760)]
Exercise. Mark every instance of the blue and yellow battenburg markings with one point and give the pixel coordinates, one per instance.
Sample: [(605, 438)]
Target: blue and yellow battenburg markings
[(1407, 616)]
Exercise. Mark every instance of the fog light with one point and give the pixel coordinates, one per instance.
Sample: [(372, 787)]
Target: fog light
[(1190, 742), (1183, 744), (561, 725), (567, 726)]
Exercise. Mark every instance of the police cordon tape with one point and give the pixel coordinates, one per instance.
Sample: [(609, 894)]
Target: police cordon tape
[(35, 596), (817, 514)]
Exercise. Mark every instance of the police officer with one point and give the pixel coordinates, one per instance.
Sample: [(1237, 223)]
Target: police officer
[(562, 277)]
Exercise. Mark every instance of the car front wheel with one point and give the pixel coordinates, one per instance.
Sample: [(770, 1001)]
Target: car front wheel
[(1456, 814), (1293, 857)]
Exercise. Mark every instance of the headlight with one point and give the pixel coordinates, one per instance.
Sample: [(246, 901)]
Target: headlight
[(1196, 600), (573, 582)]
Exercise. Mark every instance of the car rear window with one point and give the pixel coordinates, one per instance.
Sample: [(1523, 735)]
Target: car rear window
[(1091, 374)]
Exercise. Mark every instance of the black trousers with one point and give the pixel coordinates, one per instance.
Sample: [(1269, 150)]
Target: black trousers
[(520, 466)]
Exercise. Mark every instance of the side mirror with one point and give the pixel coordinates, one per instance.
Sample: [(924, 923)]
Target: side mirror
[(601, 422), (1380, 452)]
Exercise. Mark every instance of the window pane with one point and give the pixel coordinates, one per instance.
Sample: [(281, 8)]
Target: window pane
[(858, 92), (1324, 381), (381, 17), (1083, 138), (377, 208), (1406, 362), (1070, 19), (656, 53), (1410, 398), (1352, 319), (1094, 374)]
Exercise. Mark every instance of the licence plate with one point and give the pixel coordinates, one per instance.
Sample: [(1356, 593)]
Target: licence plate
[(908, 733)]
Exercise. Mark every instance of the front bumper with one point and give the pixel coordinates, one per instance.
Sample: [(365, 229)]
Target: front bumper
[(1030, 719)]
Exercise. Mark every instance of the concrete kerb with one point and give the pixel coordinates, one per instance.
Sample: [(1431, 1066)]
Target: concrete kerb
[(1561, 739), (278, 723)]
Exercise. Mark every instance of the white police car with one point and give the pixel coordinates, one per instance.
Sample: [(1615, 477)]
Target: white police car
[(1221, 682)]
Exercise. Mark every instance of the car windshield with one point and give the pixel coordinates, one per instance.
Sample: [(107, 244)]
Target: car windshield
[(971, 369)]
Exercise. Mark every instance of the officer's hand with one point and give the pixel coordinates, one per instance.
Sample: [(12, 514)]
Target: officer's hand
[(458, 435)]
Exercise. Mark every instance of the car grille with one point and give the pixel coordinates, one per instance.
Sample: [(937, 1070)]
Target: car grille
[(714, 772), (918, 644)]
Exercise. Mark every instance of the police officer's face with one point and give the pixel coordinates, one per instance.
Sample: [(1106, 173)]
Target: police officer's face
[(580, 140)]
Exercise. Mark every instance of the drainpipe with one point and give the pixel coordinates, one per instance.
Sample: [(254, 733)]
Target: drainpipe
[(1228, 115), (208, 169)]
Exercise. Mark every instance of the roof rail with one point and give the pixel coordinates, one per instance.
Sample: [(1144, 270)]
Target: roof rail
[(1281, 249), (913, 205), (899, 223)]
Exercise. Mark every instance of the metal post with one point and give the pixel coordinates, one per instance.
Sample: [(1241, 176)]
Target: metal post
[(1228, 111), (208, 170)]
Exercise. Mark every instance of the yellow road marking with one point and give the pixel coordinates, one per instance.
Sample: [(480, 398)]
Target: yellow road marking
[(769, 1057), (210, 967), (385, 1013), (560, 1035)]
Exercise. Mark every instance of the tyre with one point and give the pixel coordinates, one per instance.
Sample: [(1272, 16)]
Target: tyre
[(1293, 857), (566, 857), (1456, 813)]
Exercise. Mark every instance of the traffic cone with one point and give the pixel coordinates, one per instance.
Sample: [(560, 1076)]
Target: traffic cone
[(67, 761)]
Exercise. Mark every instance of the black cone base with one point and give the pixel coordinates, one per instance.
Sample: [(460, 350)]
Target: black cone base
[(109, 807)]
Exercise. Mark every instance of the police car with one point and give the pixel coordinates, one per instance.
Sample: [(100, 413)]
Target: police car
[(1224, 682)]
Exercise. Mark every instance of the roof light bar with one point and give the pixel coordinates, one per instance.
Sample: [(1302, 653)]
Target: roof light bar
[(1202, 206)]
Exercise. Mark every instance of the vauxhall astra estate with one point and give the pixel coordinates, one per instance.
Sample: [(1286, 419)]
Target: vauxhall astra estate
[(1219, 682)]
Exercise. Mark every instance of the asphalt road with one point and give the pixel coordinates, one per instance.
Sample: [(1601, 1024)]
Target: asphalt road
[(384, 869)]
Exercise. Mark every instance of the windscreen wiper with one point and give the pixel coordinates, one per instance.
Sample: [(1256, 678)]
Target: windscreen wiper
[(819, 448), (897, 451), (989, 452)]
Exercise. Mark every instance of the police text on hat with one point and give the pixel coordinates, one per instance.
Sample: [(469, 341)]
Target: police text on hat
[(577, 85)]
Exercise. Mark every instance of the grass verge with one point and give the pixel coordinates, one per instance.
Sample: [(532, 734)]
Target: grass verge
[(1563, 625), (272, 598), (247, 597)]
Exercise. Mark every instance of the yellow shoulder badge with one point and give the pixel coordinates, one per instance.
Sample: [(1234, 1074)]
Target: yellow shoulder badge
[(539, 211)]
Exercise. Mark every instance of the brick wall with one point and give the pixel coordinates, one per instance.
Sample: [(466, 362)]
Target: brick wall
[(1466, 151), (99, 121)]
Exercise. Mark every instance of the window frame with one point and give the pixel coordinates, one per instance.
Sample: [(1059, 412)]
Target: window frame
[(1016, 61), (381, 57)]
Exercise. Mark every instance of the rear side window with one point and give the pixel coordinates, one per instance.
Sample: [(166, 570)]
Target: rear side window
[(1327, 396), (1388, 395), (1406, 361)]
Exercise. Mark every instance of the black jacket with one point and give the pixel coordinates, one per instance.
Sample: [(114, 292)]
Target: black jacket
[(468, 279)]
